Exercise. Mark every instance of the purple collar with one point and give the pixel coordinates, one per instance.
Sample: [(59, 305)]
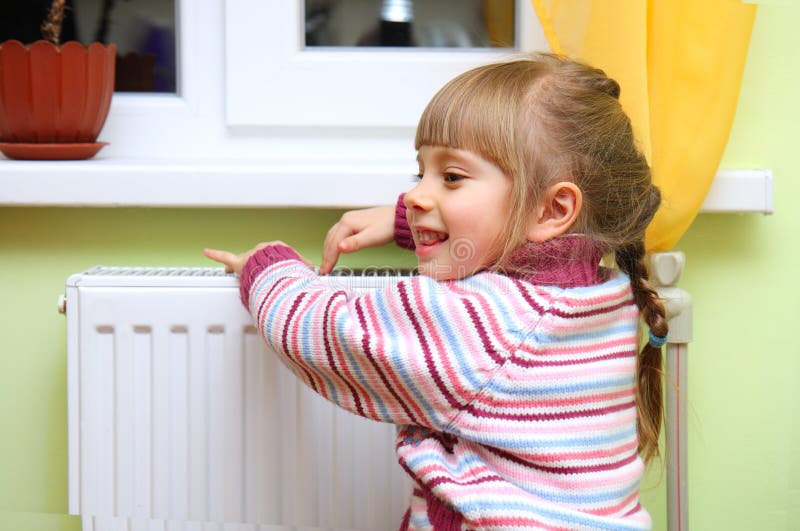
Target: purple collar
[(567, 262)]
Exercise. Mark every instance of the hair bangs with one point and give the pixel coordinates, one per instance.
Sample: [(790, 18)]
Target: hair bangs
[(476, 113)]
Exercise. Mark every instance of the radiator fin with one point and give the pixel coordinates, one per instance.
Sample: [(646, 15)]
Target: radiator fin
[(157, 271)]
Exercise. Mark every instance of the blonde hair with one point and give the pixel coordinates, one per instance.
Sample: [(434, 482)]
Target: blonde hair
[(543, 119)]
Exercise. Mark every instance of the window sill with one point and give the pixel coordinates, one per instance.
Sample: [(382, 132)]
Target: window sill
[(197, 183), (253, 184)]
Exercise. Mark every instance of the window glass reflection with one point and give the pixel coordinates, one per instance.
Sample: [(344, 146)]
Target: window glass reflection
[(143, 31), (423, 23)]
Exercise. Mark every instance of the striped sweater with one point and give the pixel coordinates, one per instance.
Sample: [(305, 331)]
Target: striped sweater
[(514, 395)]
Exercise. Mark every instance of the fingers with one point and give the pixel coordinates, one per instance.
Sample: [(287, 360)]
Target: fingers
[(330, 251), (234, 263), (341, 238), (353, 243), (327, 266), (218, 255), (356, 230), (331, 246)]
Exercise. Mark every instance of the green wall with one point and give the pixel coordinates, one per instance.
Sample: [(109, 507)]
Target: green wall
[(744, 426), (744, 417)]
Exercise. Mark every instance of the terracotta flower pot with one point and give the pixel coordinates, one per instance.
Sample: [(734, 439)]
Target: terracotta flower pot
[(54, 101)]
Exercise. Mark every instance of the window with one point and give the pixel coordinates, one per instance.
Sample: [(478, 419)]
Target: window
[(423, 23)]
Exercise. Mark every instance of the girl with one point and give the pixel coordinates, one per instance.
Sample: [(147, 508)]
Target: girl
[(510, 363)]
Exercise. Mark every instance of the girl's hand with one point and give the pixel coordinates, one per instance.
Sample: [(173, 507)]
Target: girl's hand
[(356, 230), (234, 263)]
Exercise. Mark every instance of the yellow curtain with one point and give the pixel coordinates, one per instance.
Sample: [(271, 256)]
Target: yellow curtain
[(680, 65)]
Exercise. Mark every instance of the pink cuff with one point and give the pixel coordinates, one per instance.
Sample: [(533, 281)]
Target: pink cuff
[(258, 262), (402, 232)]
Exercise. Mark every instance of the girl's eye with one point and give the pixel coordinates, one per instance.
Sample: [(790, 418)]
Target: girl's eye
[(451, 178), (416, 177)]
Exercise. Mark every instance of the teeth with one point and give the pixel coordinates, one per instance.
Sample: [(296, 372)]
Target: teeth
[(429, 236)]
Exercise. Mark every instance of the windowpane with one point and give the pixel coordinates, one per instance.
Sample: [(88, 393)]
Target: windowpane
[(423, 23), (143, 31)]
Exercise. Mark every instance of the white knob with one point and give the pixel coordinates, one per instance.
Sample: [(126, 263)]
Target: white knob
[(62, 303), (666, 268)]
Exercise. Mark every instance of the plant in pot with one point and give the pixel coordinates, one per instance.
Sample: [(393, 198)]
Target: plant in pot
[(54, 98)]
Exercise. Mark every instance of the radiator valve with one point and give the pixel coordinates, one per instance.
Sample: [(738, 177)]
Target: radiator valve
[(62, 303)]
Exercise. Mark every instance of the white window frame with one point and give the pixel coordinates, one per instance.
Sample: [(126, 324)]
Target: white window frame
[(286, 84), (159, 125)]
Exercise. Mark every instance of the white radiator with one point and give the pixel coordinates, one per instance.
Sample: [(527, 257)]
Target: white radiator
[(180, 419)]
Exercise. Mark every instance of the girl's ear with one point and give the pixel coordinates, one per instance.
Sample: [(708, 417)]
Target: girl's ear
[(559, 209)]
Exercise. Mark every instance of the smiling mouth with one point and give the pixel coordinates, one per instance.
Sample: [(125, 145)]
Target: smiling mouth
[(429, 237)]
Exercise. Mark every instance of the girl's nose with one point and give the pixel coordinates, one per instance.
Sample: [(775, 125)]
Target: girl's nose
[(419, 197)]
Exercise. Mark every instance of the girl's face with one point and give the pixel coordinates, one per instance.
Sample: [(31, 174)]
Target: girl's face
[(457, 212)]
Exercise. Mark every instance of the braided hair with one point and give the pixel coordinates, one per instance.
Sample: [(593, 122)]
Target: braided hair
[(649, 392)]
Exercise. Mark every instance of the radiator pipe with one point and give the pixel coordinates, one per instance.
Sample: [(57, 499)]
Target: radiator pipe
[(665, 271)]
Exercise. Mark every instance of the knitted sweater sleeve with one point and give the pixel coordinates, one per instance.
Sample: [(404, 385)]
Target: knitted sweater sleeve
[(402, 232), (416, 352)]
